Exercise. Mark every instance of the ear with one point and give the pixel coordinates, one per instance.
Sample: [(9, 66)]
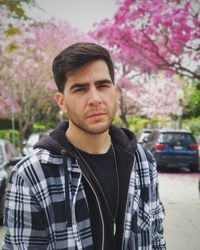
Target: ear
[(117, 89), (60, 101), (117, 92)]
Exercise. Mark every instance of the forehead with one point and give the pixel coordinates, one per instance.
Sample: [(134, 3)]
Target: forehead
[(91, 71)]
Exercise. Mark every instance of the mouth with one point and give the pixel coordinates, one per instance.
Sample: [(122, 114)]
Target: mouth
[(96, 114)]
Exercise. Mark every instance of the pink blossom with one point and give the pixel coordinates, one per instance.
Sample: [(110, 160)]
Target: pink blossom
[(152, 36)]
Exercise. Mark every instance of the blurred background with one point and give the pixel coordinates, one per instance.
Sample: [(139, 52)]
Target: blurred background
[(155, 46)]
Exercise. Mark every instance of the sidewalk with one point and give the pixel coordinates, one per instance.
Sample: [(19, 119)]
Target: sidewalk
[(179, 193)]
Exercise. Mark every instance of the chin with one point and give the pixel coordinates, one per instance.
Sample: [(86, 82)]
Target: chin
[(98, 129)]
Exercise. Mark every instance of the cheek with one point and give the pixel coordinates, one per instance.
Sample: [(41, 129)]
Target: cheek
[(113, 98), (72, 106)]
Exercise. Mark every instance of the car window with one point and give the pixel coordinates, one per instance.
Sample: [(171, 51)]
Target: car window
[(174, 137)]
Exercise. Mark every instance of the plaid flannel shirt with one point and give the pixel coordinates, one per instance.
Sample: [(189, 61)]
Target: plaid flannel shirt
[(35, 215)]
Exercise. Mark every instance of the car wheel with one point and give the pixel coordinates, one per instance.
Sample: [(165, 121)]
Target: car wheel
[(194, 168)]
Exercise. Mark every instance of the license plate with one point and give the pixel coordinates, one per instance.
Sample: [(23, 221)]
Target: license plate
[(178, 147)]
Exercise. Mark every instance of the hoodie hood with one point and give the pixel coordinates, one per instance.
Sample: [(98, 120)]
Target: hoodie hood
[(57, 143)]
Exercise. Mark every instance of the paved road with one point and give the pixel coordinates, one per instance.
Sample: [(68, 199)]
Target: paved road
[(1, 234), (179, 193), (180, 196)]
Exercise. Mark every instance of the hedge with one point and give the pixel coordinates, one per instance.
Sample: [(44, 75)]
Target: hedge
[(11, 135)]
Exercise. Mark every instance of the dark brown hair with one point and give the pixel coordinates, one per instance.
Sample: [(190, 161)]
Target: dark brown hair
[(75, 56)]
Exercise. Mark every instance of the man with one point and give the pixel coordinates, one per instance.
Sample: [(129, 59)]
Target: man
[(87, 185)]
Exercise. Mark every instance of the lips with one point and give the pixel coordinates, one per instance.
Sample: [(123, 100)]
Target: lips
[(95, 114)]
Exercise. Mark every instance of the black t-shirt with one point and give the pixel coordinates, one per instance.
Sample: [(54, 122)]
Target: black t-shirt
[(104, 169)]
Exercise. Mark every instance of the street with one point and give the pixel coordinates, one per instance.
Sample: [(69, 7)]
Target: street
[(180, 195)]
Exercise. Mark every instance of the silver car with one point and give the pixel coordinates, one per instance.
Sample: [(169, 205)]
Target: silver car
[(7, 153)]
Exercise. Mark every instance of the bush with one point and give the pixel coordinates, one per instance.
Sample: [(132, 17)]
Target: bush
[(10, 135), (39, 127), (192, 124), (137, 123)]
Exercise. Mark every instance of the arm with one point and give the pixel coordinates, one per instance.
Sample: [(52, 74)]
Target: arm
[(157, 209), (24, 221)]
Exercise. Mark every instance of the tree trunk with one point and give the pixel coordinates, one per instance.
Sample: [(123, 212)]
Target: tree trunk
[(21, 135), (124, 120)]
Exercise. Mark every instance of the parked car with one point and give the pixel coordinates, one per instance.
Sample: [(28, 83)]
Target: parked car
[(143, 136), (174, 149), (7, 155), (32, 140)]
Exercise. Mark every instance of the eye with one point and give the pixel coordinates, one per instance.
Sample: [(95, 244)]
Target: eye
[(104, 85), (79, 89)]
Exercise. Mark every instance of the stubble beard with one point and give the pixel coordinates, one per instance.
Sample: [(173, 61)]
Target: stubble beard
[(92, 129)]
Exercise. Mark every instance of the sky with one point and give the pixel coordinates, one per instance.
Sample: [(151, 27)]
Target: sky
[(80, 13)]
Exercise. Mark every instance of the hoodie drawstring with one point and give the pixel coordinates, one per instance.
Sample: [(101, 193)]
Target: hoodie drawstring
[(67, 202)]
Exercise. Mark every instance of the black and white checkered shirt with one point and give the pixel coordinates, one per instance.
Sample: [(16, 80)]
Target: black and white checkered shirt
[(35, 211)]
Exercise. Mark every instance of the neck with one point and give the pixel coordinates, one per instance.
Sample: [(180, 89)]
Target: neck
[(90, 143)]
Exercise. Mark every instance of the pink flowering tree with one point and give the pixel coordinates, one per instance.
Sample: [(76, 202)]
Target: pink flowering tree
[(160, 97), (147, 38), (154, 36), (26, 80), (128, 99)]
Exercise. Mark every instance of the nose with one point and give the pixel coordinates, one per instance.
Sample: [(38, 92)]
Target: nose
[(94, 98)]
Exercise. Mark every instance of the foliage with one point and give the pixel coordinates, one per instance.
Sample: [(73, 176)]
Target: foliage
[(15, 7), (136, 124), (192, 108), (117, 121), (153, 36), (7, 123), (39, 127), (193, 124), (10, 135), (152, 42)]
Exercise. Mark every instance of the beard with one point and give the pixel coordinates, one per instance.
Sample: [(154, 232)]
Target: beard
[(98, 126), (94, 129)]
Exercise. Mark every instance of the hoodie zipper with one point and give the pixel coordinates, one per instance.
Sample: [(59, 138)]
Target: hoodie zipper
[(98, 202), (126, 207)]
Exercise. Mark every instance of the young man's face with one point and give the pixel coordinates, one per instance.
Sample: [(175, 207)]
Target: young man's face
[(89, 98)]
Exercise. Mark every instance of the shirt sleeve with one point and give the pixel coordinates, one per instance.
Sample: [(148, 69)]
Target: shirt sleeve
[(157, 208), (24, 222)]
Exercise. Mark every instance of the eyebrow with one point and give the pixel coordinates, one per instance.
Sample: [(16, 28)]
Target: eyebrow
[(103, 81), (80, 85)]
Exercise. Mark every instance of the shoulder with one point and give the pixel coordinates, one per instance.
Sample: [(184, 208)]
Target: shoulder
[(145, 155), (39, 156), (146, 164), (31, 167)]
